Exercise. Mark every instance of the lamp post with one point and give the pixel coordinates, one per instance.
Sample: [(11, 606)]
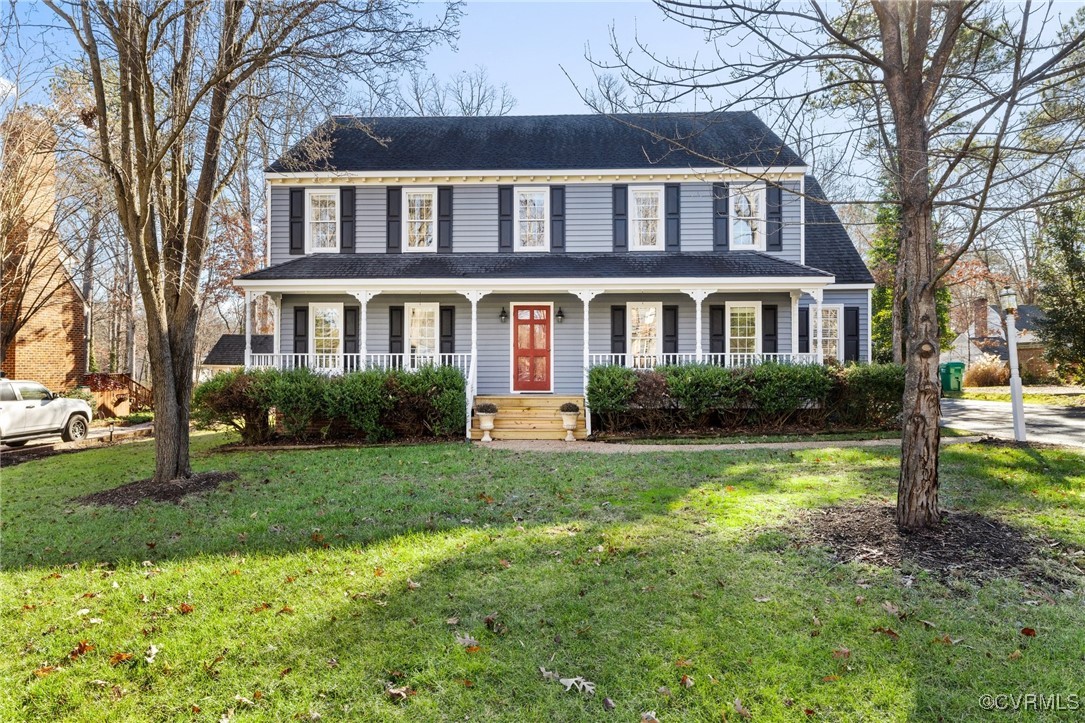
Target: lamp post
[(1009, 305)]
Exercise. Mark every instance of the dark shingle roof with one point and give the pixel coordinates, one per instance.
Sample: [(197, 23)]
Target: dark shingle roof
[(740, 264), (828, 245), (229, 350), (543, 142), (1028, 318)]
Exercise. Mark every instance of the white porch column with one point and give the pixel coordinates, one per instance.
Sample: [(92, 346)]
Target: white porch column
[(474, 296), (817, 294), (277, 319), (795, 321), (364, 297), (248, 328), (585, 297), (698, 296)]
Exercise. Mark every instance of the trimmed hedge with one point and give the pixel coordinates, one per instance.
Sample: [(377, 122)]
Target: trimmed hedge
[(370, 405), (766, 397)]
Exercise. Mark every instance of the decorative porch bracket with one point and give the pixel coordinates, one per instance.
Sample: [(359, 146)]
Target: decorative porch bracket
[(698, 296), (474, 296), (585, 296), (364, 297)]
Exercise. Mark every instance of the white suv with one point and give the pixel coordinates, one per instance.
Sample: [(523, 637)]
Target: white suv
[(29, 410)]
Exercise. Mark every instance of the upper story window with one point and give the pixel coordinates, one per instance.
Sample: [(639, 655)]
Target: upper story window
[(643, 333), (744, 328), (832, 328), (322, 214), (420, 219), (748, 216), (532, 217), (646, 218)]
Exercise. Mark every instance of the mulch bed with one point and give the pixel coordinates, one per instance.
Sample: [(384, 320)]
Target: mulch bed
[(146, 489), (963, 545)]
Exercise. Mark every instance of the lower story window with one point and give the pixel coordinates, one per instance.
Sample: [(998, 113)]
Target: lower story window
[(643, 333), (831, 328), (327, 333), (422, 333), (743, 328)]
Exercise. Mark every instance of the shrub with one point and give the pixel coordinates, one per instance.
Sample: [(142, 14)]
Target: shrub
[(869, 395), (703, 391), (610, 390), (486, 408), (362, 400), (429, 401), (989, 371), (139, 418), (80, 393), (297, 395), (651, 405), (781, 392), (237, 399), (570, 408)]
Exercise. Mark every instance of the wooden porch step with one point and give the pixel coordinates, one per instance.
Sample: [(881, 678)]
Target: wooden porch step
[(476, 434)]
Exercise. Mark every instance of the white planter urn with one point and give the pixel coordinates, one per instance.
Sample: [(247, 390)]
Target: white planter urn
[(486, 424), (568, 421)]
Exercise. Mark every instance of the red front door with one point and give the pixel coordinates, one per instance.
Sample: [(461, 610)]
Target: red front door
[(531, 348)]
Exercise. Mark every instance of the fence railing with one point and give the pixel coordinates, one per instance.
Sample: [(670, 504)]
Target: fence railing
[(651, 361), (343, 363)]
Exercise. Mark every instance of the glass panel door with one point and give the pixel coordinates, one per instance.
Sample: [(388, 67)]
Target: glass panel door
[(531, 349)]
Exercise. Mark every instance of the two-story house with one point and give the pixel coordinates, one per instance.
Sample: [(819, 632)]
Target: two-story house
[(525, 250)]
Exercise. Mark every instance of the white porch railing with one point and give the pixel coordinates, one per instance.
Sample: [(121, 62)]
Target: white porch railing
[(343, 363), (651, 361)]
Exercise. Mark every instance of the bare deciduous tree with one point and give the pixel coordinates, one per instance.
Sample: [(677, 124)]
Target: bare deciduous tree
[(187, 75), (966, 107)]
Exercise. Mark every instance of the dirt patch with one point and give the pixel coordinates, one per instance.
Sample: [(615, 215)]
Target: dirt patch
[(174, 491), (963, 545)]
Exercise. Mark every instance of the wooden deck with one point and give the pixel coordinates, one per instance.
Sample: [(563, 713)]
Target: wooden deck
[(529, 416)]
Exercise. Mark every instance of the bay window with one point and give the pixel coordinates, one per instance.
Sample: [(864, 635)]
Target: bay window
[(747, 206), (322, 217), (532, 214), (646, 218), (420, 219)]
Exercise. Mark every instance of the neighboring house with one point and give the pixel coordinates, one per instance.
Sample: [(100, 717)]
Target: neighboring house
[(525, 250), (986, 335), (229, 351)]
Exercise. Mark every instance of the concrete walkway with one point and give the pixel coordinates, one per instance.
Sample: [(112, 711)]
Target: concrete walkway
[(625, 448)]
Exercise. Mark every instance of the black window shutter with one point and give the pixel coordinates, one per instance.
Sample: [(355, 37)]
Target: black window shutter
[(617, 332), (301, 329), (621, 218), (721, 223), (395, 329), (297, 221), (774, 219), (350, 329), (717, 330), (670, 329), (448, 329), (395, 214), (557, 218), (673, 223), (346, 219), (769, 329), (444, 219), (851, 333), (504, 219), (804, 330)]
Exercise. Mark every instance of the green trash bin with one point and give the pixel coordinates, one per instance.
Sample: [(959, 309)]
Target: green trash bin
[(952, 374)]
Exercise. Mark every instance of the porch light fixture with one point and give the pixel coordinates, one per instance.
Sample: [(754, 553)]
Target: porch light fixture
[(1009, 305), (560, 316), (503, 316)]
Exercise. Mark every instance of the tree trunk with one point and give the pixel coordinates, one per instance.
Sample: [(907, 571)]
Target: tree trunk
[(171, 357)]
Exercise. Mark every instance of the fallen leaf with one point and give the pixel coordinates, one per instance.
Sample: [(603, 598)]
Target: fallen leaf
[(608, 704), (467, 683), (842, 653), (261, 608), (81, 649), (473, 648), (808, 711), (927, 624), (284, 672), (185, 608), (46, 670), (149, 655), (378, 571), (549, 675), (664, 691), (686, 681), (859, 599), (399, 694), (196, 708), (762, 599), (117, 692), (816, 621), (504, 563), (892, 634), (286, 610), (830, 678), (648, 716), (1028, 632), (1015, 655), (412, 585), (316, 537), (466, 640), (452, 621), (257, 694), (118, 658), (244, 701), (682, 663), (742, 710)]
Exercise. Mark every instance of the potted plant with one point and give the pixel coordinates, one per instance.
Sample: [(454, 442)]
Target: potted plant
[(569, 412), (486, 413)]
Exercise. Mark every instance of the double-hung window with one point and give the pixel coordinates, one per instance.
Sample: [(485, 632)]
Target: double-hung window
[(646, 218), (748, 216), (832, 330), (422, 334), (532, 216), (644, 322), (322, 217), (326, 332), (420, 219), (744, 328)]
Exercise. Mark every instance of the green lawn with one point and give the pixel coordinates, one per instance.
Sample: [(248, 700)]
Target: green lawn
[(1057, 400), (320, 577)]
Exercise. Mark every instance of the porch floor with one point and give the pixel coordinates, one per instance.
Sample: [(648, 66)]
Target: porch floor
[(529, 416)]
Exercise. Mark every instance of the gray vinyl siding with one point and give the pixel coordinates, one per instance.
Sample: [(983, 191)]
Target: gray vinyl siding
[(280, 224), (370, 221), (599, 343), (289, 301), (589, 214), (791, 233), (857, 297), (696, 214), (474, 219)]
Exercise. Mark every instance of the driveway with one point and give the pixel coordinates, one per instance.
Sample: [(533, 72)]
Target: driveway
[(1050, 425), (46, 446)]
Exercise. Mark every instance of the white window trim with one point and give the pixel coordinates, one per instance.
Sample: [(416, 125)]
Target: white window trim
[(762, 225), (404, 220), (516, 245), (313, 307), (309, 193), (729, 306), (660, 223), (657, 353), (435, 308), (512, 347), (839, 329)]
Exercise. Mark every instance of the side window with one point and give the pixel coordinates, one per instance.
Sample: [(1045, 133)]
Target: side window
[(7, 394), (32, 392)]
